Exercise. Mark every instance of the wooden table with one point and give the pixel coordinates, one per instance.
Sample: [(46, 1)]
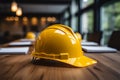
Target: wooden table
[(19, 67)]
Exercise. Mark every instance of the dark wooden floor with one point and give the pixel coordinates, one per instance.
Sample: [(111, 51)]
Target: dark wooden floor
[(20, 67)]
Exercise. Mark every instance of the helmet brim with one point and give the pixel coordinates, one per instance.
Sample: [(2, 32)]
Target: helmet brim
[(82, 61)]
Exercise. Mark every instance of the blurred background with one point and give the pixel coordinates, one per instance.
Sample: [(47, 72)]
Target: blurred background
[(17, 17)]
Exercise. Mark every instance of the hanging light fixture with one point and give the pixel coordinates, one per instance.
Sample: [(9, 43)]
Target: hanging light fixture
[(19, 12), (14, 6)]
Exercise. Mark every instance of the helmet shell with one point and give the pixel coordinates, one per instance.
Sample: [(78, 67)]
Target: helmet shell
[(58, 39), (30, 35), (59, 42)]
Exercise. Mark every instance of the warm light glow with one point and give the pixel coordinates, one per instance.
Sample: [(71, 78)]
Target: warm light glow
[(43, 19), (53, 19), (49, 19), (16, 18), (12, 18), (14, 7), (19, 12), (34, 21), (7, 19), (25, 19)]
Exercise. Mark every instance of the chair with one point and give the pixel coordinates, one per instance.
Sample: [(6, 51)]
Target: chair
[(94, 37), (114, 40)]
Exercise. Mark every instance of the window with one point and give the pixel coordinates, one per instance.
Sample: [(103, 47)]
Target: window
[(74, 19), (87, 22), (86, 3), (74, 23), (67, 22), (66, 16), (74, 7), (110, 20)]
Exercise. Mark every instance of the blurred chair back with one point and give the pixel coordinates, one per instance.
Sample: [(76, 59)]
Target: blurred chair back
[(94, 37), (114, 40)]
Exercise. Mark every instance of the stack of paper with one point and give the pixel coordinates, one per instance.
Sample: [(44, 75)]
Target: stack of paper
[(20, 44), (98, 49), (27, 40), (12, 50), (87, 43)]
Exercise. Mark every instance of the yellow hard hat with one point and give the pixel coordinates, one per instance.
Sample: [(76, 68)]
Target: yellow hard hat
[(30, 35), (59, 42), (78, 35)]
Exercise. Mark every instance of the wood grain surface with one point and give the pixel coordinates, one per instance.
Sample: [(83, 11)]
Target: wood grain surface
[(20, 67)]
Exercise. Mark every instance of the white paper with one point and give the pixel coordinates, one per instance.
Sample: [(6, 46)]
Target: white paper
[(12, 50), (98, 49), (29, 40), (85, 43), (20, 43)]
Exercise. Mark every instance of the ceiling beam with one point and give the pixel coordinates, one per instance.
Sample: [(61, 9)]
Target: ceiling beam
[(38, 1), (31, 14)]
